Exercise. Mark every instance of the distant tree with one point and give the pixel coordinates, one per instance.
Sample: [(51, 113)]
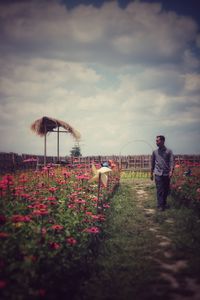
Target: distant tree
[(76, 151)]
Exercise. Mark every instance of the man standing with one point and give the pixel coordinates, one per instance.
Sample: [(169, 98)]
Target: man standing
[(162, 166)]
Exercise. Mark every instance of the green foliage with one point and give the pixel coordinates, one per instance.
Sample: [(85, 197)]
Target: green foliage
[(128, 267), (186, 187), (46, 239), (134, 174), (76, 151)]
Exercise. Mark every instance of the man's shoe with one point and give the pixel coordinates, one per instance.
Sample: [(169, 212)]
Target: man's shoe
[(167, 206)]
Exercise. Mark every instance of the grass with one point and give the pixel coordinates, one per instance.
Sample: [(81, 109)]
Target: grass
[(128, 265)]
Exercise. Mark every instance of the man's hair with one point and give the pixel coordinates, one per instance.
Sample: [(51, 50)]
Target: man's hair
[(161, 137)]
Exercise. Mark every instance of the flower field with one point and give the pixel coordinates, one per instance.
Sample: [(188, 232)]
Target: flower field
[(186, 182), (51, 223)]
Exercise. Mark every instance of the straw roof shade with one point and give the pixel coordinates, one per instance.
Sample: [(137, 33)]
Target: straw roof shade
[(44, 125)]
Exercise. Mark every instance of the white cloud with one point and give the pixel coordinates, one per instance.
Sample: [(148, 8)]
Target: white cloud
[(192, 82), (191, 61), (115, 75)]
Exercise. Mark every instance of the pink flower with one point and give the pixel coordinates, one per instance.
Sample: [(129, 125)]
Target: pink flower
[(177, 166), (82, 177), (54, 245), (52, 189), (71, 206), (43, 231), (30, 159), (25, 196), (98, 217), (95, 199), (57, 227), (40, 212), (4, 235), (92, 230), (106, 205), (20, 218), (80, 201), (71, 241), (51, 198), (88, 213), (66, 174), (40, 206)]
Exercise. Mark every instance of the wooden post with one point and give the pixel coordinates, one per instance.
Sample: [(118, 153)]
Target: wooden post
[(45, 145), (58, 154), (99, 188)]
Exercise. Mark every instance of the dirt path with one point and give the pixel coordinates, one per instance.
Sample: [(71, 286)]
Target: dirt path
[(187, 288), (141, 257)]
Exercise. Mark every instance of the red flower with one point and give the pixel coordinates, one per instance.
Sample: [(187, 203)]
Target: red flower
[(95, 199), (20, 218), (92, 230), (2, 219), (4, 235), (106, 205), (43, 231), (82, 176), (88, 213), (66, 174), (80, 201), (71, 241), (98, 217), (57, 227), (40, 206), (25, 196), (2, 264), (30, 258), (54, 245), (71, 206), (52, 189), (51, 198), (42, 292), (40, 212), (3, 284)]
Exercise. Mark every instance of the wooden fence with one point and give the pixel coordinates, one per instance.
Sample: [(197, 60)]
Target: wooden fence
[(10, 162)]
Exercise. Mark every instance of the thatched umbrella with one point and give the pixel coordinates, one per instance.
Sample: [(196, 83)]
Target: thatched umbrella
[(46, 125)]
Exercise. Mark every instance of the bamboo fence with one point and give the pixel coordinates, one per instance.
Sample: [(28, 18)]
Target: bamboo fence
[(11, 162)]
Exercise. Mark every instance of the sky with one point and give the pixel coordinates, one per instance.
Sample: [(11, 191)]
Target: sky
[(119, 72)]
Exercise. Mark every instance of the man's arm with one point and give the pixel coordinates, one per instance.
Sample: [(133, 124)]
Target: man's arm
[(152, 164)]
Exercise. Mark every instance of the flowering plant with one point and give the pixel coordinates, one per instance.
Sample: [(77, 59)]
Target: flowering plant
[(186, 181), (49, 224)]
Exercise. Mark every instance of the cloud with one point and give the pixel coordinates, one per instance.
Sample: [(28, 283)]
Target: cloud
[(141, 32), (192, 82), (114, 74)]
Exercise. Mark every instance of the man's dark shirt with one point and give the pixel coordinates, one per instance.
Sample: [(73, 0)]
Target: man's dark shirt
[(162, 161)]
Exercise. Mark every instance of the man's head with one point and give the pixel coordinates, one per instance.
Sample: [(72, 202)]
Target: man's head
[(160, 141)]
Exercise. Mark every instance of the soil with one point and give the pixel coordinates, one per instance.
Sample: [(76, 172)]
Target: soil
[(169, 265)]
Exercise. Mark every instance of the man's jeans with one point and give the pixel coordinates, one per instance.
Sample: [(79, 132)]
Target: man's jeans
[(163, 187)]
